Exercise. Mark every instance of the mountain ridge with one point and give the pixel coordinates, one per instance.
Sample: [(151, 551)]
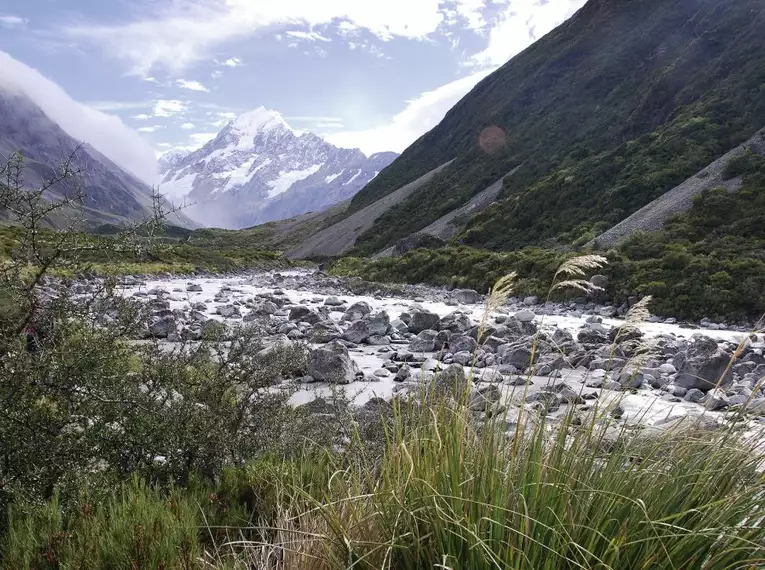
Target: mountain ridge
[(258, 169)]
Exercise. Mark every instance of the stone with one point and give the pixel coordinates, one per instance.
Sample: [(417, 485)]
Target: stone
[(358, 332), (483, 398), (332, 363), (631, 378), (694, 396), (357, 311), (562, 337), (451, 380), (194, 288), (609, 311), (667, 369), (704, 370), (333, 302), (423, 320), (404, 373), (425, 341), (715, 400), (378, 340), (624, 333), (320, 333), (464, 358), (162, 327), (378, 323), (519, 357), (463, 343), (525, 316), (531, 300), (467, 296), (600, 281), (589, 336), (229, 312), (382, 373), (399, 325), (456, 323), (298, 313)]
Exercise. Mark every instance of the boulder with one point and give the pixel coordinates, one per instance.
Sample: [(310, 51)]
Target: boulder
[(704, 370), (525, 316), (451, 380), (455, 322), (462, 343), (332, 363), (378, 323), (467, 296), (520, 357), (357, 311), (162, 327), (600, 281), (194, 288), (562, 337), (425, 341), (531, 300), (298, 313), (320, 333), (333, 302), (358, 332), (229, 312), (423, 320)]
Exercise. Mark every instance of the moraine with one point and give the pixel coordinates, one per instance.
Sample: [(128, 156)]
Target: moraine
[(663, 387)]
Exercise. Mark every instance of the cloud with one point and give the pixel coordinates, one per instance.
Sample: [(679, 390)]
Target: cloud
[(106, 133), (313, 118), (191, 85), (150, 129), (11, 21), (200, 139), (309, 36), (187, 126), (140, 117), (118, 105), (419, 116), (520, 25), (168, 107), (176, 35), (233, 62)]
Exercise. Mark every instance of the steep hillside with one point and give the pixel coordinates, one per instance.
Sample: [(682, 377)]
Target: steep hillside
[(616, 106)]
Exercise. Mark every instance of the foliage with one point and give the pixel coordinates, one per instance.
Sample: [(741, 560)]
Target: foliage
[(603, 114)]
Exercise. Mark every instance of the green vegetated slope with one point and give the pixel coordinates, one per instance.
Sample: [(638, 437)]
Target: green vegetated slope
[(708, 261), (607, 112)]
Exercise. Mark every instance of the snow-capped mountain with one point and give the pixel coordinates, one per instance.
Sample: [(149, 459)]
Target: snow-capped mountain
[(258, 169)]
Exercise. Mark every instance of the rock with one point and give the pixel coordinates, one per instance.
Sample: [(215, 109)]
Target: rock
[(531, 300), (451, 380), (194, 288), (332, 363), (704, 369), (382, 373), (320, 333), (378, 324), (562, 337), (306, 380), (546, 402), (600, 281), (715, 400), (589, 336), (455, 322), (519, 357), (162, 327), (667, 369), (624, 333), (399, 325), (299, 313), (609, 312), (631, 378), (462, 343), (464, 358), (403, 373), (467, 296), (482, 399), (423, 320), (333, 302), (357, 311), (358, 332), (694, 396), (229, 312), (525, 316), (378, 340), (425, 342)]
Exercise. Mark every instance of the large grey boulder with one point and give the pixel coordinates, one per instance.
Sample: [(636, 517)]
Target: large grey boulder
[(357, 311), (463, 343), (425, 342), (378, 323), (324, 331), (357, 332), (423, 320), (705, 366), (467, 296), (451, 380), (525, 315), (332, 363), (229, 312), (519, 357), (162, 327), (455, 322)]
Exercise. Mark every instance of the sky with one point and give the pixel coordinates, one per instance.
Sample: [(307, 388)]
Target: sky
[(171, 73)]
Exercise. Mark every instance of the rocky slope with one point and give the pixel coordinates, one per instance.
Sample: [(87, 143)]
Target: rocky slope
[(615, 107), (111, 194), (258, 169)]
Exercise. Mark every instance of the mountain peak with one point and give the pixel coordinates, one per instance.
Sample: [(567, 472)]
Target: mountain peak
[(258, 120)]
